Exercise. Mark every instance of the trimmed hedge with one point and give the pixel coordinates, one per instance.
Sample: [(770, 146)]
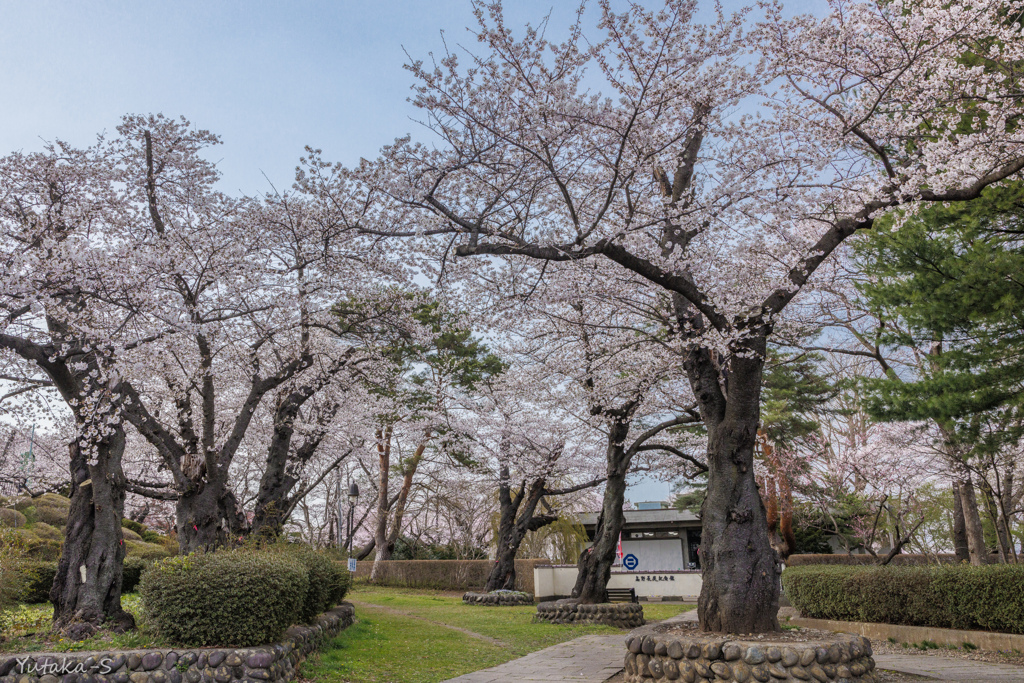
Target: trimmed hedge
[(989, 598), (231, 598), (38, 579), (908, 559), (131, 573), (447, 575), (328, 580)]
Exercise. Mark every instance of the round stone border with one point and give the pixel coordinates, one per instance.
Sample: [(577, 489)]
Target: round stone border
[(701, 658), (498, 599), (619, 614), (275, 663)]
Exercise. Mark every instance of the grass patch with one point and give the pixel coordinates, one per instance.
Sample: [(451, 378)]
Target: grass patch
[(28, 630), (385, 646)]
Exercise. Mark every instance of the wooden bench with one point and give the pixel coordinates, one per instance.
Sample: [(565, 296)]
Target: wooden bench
[(622, 595)]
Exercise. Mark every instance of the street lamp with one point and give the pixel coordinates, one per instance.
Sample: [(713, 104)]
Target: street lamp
[(353, 497)]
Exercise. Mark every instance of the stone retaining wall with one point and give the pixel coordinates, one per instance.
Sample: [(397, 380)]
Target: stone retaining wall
[(620, 615), (698, 658), (276, 663), (495, 599)]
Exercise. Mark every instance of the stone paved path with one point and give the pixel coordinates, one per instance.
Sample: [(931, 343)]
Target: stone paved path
[(948, 669), (590, 659)]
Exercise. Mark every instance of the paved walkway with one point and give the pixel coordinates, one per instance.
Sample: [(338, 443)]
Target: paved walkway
[(948, 669), (590, 659), (594, 659)]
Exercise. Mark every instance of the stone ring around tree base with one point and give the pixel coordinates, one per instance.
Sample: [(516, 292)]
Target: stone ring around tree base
[(693, 657), (498, 598), (619, 614)]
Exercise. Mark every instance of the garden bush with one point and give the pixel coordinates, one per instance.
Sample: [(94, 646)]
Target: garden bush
[(37, 578), (46, 532), (132, 573), (11, 578), (147, 551), (448, 575), (903, 559), (328, 581), (227, 598), (137, 527), (947, 596), (130, 535), (12, 518)]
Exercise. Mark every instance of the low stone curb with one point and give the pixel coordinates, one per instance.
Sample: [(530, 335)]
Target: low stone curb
[(661, 652), (275, 663), (619, 615), (984, 640), (498, 599)]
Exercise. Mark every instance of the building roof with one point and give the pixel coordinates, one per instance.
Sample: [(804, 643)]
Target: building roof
[(636, 517)]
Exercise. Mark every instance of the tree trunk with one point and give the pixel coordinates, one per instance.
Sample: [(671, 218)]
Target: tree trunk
[(515, 521), (207, 517), (380, 535), (972, 520), (595, 564), (740, 592), (963, 553), (86, 589)]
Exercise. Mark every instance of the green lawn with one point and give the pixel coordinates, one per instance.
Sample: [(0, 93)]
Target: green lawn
[(28, 630), (403, 648)]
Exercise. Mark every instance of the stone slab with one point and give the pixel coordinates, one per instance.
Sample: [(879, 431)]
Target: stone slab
[(984, 640), (590, 659), (947, 669)]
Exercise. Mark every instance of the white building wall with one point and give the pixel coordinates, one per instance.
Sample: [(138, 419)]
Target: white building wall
[(551, 581), (656, 554)]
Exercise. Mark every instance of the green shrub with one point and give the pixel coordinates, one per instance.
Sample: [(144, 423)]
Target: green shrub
[(146, 551), (152, 537), (947, 596), (328, 581), (12, 518), (903, 559), (38, 579), (132, 573), (227, 598), (130, 535), (137, 527), (12, 550), (46, 532)]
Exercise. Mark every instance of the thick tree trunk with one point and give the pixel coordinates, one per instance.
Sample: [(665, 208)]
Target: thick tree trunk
[(595, 564), (740, 592), (515, 521), (208, 517), (963, 553), (86, 590)]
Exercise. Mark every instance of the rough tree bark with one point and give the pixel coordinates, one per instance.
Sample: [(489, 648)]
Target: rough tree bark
[(516, 519), (86, 589), (595, 563), (740, 591), (963, 553), (972, 519)]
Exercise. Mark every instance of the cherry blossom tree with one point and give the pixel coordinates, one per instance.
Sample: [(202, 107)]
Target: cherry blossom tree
[(721, 165)]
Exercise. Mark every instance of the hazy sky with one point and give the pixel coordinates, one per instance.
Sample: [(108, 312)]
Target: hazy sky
[(268, 77)]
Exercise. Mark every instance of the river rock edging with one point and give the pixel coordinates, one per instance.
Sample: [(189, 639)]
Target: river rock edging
[(274, 663)]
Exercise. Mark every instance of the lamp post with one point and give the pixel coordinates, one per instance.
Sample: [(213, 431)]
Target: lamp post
[(353, 496)]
